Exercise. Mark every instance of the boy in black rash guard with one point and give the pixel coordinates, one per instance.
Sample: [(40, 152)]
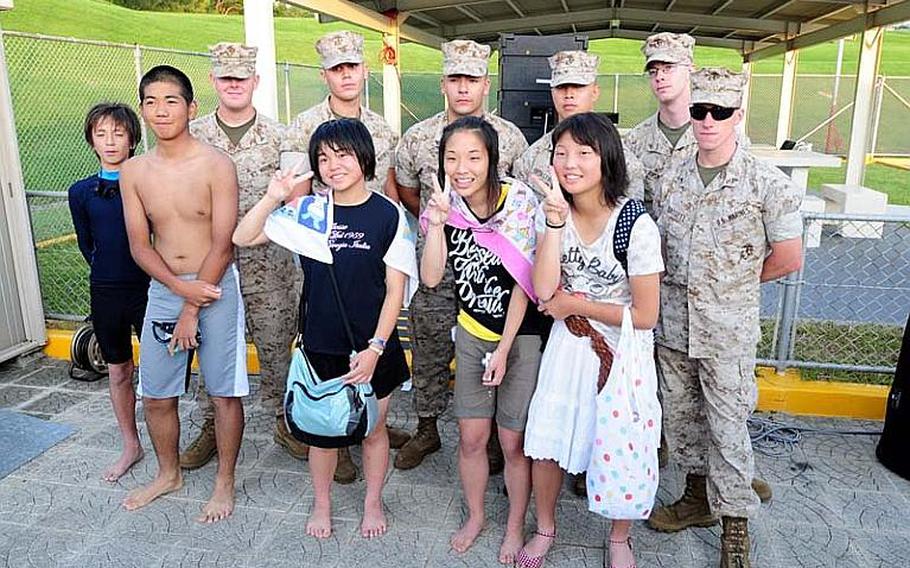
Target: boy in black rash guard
[(119, 288)]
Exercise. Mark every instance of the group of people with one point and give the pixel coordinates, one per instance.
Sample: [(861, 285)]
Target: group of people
[(531, 262)]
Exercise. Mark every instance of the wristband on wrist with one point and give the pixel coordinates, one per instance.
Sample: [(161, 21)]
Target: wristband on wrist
[(378, 342), (554, 225), (375, 349)]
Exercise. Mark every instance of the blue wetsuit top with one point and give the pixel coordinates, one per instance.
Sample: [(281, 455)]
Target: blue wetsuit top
[(97, 210)]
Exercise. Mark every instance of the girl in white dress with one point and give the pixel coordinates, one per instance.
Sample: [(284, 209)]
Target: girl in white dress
[(584, 287)]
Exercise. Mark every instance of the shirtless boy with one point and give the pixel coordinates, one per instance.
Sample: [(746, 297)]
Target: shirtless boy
[(180, 206)]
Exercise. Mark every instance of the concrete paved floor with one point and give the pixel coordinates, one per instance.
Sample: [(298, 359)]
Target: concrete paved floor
[(833, 506)]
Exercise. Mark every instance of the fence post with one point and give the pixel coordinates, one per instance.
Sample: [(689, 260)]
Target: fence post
[(287, 92), (792, 284), (137, 62), (616, 92), (879, 92)]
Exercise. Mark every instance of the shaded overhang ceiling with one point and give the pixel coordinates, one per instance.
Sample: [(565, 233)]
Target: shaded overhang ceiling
[(755, 28)]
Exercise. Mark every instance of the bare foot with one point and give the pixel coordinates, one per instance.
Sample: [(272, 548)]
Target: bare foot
[(511, 544), (220, 505), (621, 555), (319, 525), (374, 522), (465, 536), (129, 458), (161, 485)]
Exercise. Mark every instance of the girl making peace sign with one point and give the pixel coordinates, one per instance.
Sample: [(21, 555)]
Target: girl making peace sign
[(584, 287), (485, 231)]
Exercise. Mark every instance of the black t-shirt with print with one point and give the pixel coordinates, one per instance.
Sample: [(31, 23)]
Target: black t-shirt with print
[(483, 286), (361, 236)]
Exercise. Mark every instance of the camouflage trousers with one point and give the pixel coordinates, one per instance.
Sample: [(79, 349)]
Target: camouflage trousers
[(706, 403), (433, 314), (271, 322)]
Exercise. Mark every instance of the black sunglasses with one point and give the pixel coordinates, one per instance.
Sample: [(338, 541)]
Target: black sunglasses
[(700, 112)]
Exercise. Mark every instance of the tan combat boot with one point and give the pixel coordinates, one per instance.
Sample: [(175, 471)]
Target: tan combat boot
[(398, 438), (423, 443), (345, 471), (762, 489), (202, 449), (294, 447), (734, 543), (691, 510)]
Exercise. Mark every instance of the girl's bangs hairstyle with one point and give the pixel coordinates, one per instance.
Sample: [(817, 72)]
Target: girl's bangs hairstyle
[(595, 130), (344, 135), (490, 140)]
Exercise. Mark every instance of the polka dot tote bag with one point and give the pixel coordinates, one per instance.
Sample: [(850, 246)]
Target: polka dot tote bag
[(622, 475)]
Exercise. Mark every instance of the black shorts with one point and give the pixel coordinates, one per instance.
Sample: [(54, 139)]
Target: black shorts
[(116, 313), (391, 369)]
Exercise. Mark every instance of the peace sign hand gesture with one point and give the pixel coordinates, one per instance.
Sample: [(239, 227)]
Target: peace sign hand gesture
[(555, 206), (439, 204), (282, 182)]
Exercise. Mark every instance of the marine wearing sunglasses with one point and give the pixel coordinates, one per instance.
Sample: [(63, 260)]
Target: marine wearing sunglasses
[(701, 111)]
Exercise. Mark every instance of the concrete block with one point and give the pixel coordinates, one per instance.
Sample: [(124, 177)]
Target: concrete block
[(859, 200)]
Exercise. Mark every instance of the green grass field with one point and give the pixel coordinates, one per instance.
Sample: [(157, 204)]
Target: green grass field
[(294, 37)]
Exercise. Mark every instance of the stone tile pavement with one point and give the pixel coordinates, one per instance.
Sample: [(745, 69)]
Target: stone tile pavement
[(833, 506)]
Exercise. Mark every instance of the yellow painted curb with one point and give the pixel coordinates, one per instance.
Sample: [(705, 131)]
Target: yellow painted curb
[(789, 393), (778, 393), (58, 347)]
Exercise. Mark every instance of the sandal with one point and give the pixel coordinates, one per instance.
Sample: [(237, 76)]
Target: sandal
[(627, 542), (525, 560)]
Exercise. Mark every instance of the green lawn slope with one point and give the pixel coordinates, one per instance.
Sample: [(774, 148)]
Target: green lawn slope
[(96, 19)]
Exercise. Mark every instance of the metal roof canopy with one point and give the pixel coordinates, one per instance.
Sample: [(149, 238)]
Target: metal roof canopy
[(755, 28)]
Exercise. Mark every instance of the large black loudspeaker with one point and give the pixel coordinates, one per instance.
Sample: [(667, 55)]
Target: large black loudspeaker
[(524, 79), (894, 446)]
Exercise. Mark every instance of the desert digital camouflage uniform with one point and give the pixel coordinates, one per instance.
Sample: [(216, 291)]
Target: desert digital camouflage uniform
[(268, 276), (716, 240), (536, 161), (338, 48), (298, 134), (570, 68), (433, 310), (655, 154)]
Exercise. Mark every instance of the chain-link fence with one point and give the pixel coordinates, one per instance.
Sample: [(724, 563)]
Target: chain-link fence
[(843, 312)]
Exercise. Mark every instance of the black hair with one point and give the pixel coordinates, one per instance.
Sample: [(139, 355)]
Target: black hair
[(167, 74), (490, 140), (595, 130), (122, 115), (348, 135)]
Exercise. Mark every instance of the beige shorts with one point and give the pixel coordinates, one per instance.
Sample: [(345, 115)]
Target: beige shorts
[(508, 402)]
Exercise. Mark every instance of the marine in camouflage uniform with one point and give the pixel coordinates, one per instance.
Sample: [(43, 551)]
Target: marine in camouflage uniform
[(571, 68), (717, 239), (268, 275), (433, 311), (336, 49), (650, 139)]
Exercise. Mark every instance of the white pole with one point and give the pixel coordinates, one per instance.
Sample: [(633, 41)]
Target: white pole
[(863, 103), (879, 92), (834, 94), (259, 27), (21, 245), (391, 82), (787, 88)]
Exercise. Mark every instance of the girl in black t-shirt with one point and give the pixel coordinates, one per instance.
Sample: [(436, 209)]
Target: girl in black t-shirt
[(365, 236), (484, 232)]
